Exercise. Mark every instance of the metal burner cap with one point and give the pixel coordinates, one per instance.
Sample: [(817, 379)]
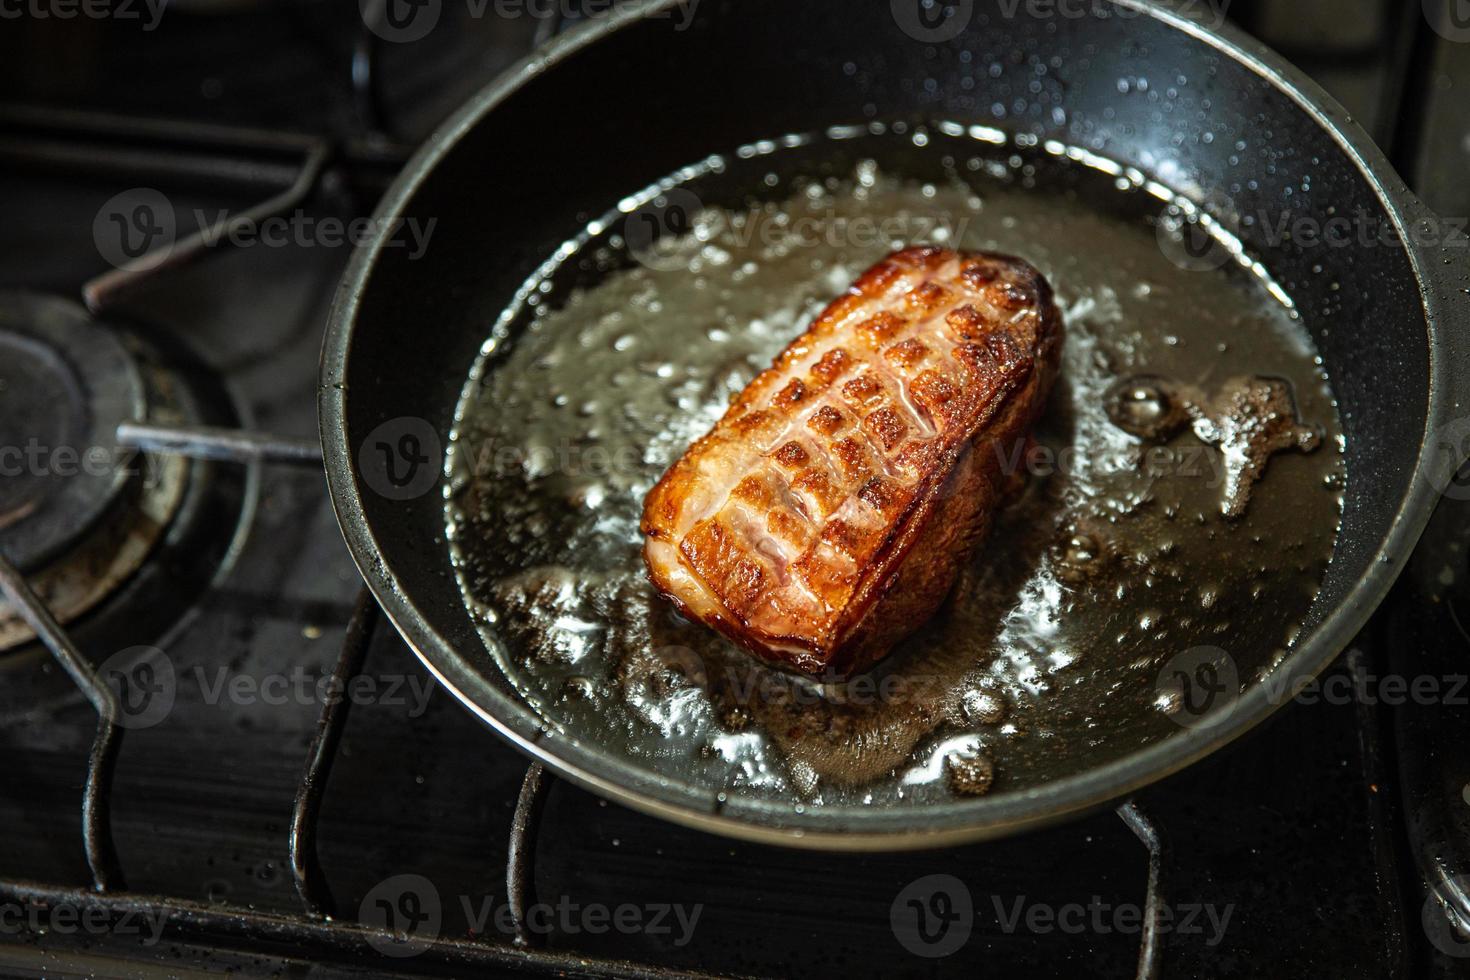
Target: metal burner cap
[(65, 383)]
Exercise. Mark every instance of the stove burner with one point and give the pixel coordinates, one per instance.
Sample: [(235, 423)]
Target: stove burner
[(78, 514), (66, 383)]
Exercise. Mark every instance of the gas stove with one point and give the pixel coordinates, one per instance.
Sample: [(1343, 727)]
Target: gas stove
[(219, 757)]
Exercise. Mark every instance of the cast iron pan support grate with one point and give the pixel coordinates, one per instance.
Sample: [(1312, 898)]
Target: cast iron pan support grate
[(96, 801)]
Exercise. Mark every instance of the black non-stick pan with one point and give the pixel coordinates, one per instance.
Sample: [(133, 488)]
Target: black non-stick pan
[(618, 103)]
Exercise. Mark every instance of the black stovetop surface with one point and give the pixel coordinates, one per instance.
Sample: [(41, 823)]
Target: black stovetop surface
[(1319, 835)]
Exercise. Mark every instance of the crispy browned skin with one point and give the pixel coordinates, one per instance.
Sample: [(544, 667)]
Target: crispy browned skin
[(826, 515)]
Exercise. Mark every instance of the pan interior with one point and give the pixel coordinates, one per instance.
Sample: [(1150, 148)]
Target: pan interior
[(533, 162), (1113, 576)]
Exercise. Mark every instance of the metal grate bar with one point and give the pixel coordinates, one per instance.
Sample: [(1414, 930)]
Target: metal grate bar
[(165, 133), (190, 154), (306, 870), (340, 942), (1150, 951), (96, 806), (209, 442), (520, 864), (103, 291)]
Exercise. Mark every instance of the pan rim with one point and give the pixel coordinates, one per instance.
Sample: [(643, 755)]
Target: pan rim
[(847, 827)]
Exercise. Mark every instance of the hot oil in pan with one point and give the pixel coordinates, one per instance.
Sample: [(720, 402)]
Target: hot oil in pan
[(1116, 560)]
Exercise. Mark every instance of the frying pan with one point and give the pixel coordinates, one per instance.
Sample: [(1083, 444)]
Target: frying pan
[(617, 103)]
